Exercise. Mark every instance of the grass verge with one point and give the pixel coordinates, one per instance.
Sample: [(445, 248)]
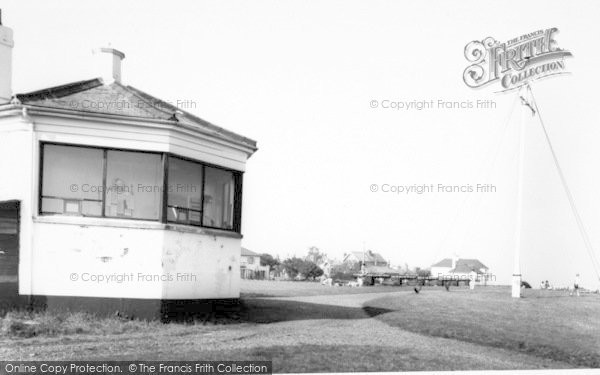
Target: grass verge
[(547, 325)]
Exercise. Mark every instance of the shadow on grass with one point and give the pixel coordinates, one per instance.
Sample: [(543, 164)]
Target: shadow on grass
[(267, 310), (272, 310), (20, 322)]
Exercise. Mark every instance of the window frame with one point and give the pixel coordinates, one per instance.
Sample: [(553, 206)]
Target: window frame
[(166, 193), (163, 214), (235, 195), (104, 181)]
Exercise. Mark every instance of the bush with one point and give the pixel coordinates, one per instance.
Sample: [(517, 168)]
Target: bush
[(343, 276), (300, 267), (345, 271)]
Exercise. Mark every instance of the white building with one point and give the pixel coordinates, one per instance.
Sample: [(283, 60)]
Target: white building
[(250, 267), (462, 270), (367, 258), (113, 198)]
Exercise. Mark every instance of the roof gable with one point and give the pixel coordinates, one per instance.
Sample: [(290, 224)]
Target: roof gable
[(447, 262), (473, 263), (92, 96), (367, 256), (469, 263), (463, 268), (249, 253)]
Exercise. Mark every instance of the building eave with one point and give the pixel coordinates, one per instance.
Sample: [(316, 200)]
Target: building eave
[(31, 110)]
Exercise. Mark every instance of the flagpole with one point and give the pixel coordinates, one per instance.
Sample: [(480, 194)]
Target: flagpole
[(516, 277)]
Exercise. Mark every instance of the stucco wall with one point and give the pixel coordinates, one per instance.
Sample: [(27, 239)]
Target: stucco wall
[(100, 261), (213, 260), (16, 183)]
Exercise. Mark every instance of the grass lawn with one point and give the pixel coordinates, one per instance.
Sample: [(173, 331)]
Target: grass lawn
[(544, 323), (306, 327)]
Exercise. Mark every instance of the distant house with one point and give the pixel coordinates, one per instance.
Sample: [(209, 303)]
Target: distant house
[(366, 258), (250, 267), (461, 269), (325, 265)]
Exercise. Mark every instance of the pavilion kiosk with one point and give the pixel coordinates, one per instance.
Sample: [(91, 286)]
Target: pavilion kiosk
[(114, 201)]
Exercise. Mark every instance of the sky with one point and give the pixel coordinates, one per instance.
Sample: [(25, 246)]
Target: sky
[(300, 78)]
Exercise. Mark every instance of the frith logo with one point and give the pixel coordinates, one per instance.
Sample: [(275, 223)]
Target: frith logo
[(516, 62)]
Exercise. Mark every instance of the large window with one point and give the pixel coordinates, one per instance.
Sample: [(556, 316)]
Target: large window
[(134, 185), (218, 198), (72, 181), (99, 182), (184, 192)]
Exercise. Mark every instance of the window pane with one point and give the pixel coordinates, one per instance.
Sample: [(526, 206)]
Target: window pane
[(218, 198), (72, 180), (185, 191), (134, 185)]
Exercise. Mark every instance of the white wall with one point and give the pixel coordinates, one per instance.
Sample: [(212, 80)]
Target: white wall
[(133, 262), (16, 183), (214, 260), (437, 271), (140, 136), (255, 265), (89, 252)]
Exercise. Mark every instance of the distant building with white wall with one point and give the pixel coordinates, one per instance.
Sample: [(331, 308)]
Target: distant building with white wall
[(462, 269), (115, 199), (250, 267)]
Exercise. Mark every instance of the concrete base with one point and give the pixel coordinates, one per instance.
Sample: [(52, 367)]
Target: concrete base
[(132, 308), (516, 286)]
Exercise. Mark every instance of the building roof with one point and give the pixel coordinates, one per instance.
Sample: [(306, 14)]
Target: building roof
[(93, 96), (464, 268), (462, 265), (473, 263), (367, 256), (249, 253), (446, 262)]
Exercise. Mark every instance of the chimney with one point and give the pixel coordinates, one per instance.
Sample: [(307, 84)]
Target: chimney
[(454, 261), (6, 46), (108, 64)]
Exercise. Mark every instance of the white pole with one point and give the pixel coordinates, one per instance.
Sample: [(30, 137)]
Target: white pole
[(516, 277)]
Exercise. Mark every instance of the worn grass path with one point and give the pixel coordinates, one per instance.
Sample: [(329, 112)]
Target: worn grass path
[(297, 346)]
